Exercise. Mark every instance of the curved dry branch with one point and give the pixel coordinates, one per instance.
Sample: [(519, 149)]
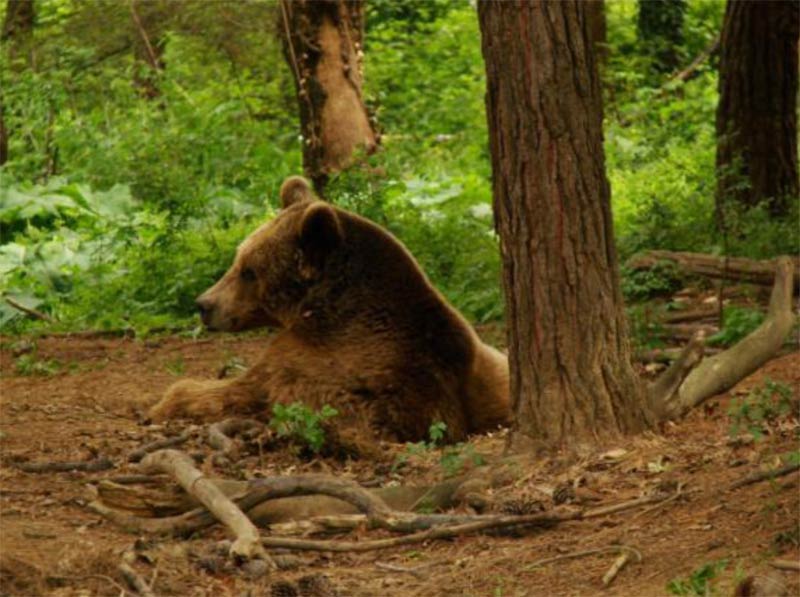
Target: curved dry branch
[(180, 466), (722, 371)]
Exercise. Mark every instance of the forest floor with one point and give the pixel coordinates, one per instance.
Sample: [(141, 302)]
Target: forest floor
[(74, 398)]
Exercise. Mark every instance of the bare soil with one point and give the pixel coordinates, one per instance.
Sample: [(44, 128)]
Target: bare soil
[(91, 401)]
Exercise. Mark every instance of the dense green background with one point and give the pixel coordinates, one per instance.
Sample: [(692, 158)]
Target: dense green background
[(152, 196)]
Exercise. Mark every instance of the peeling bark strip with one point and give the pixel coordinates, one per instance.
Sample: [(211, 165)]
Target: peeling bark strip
[(571, 377), (757, 110), (323, 44)]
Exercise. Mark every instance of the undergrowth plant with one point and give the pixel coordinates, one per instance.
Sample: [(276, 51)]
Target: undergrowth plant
[(739, 322), (452, 458), (761, 407), (700, 582), (301, 424)]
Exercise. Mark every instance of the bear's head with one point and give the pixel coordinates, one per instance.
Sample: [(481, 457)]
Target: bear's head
[(276, 265)]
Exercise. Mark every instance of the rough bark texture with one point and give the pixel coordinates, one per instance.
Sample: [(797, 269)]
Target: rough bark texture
[(757, 111), (660, 32), (323, 44), (571, 379), (596, 15)]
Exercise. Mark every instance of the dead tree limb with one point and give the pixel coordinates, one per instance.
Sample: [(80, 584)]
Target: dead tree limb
[(786, 565), (766, 475), (180, 466), (132, 578), (690, 71), (750, 271), (29, 311), (722, 371)]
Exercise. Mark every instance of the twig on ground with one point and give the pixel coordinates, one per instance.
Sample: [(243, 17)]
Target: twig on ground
[(89, 466), (219, 434), (766, 475), (135, 582), (791, 565), (582, 554), (678, 493), (619, 564), (159, 444), (416, 571), (181, 467)]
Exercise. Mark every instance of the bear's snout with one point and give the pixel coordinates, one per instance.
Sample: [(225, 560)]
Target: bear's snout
[(206, 309)]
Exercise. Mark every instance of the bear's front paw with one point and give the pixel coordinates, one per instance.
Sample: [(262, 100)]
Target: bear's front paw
[(188, 399)]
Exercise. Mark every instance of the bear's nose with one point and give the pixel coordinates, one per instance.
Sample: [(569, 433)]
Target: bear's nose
[(205, 307)]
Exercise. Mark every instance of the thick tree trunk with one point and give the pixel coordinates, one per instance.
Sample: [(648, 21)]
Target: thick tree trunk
[(757, 111), (660, 32), (596, 16), (572, 383), (323, 44)]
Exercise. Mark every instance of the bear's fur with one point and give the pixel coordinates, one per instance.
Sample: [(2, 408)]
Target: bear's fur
[(361, 329)]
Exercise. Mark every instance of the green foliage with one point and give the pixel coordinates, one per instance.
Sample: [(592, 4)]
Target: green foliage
[(761, 407), (117, 210), (663, 278), (738, 323), (645, 328), (30, 364), (699, 582), (302, 424), (452, 458)]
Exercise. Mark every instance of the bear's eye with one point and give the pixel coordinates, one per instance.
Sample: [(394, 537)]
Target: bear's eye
[(248, 274)]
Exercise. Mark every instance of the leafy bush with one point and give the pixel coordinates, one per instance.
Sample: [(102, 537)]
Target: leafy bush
[(301, 424), (738, 322)]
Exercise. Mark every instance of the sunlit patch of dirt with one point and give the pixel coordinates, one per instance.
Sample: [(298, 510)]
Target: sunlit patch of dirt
[(50, 543)]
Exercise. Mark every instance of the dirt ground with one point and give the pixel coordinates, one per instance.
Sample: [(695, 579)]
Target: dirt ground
[(80, 398)]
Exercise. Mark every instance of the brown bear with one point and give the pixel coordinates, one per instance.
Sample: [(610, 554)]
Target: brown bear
[(361, 329)]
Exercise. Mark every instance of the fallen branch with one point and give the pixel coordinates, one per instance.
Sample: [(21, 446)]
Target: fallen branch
[(29, 311), (691, 71), (476, 524), (579, 554), (722, 371), (750, 271), (88, 466), (619, 564), (219, 433), (159, 444), (132, 578), (180, 466), (766, 475), (791, 565)]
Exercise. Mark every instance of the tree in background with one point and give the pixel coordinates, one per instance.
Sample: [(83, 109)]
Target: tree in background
[(660, 30), (323, 44), (17, 35), (757, 111), (571, 375), (149, 42)]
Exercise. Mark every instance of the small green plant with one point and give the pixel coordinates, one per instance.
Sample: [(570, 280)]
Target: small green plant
[(760, 407), (646, 330), (302, 424), (661, 279), (739, 323), (29, 364), (176, 366), (698, 583), (452, 458)]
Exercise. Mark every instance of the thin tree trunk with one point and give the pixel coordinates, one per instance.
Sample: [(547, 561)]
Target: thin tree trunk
[(757, 111), (323, 44), (572, 383), (18, 29)]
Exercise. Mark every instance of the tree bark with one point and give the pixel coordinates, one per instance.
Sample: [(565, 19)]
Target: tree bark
[(18, 28), (757, 111), (660, 30), (323, 45), (572, 383), (596, 15)]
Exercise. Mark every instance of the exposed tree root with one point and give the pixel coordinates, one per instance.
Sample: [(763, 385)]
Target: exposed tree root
[(132, 578), (688, 382), (160, 444), (766, 475), (180, 466), (219, 434)]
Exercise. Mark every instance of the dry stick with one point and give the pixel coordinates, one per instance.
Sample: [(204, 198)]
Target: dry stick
[(618, 565), (415, 571), (135, 582), (478, 524), (689, 71), (790, 565), (159, 444), (181, 467), (766, 475), (29, 311), (90, 466), (577, 554), (219, 433)]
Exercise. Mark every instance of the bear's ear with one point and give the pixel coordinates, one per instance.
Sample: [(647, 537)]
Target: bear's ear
[(294, 189), (320, 233)]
